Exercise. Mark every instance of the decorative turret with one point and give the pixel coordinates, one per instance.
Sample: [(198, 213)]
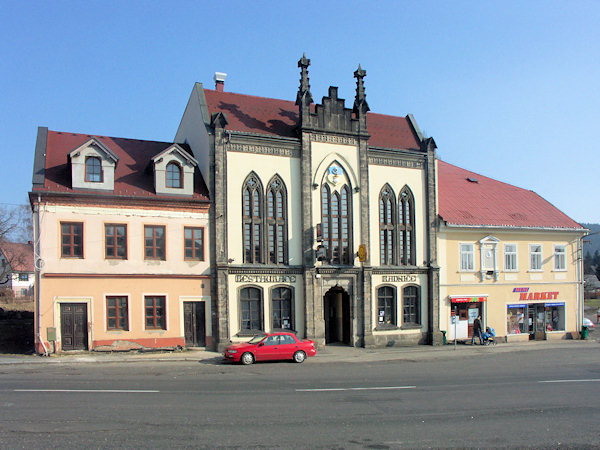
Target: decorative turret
[(360, 101), (304, 97)]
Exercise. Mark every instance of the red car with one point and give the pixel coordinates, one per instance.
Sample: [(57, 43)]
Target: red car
[(271, 347)]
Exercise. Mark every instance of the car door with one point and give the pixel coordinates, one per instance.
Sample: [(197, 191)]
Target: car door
[(287, 346), (268, 349)]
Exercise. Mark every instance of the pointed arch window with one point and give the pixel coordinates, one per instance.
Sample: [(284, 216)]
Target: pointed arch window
[(387, 226), (277, 222), (252, 219), (174, 175), (336, 221), (406, 227)]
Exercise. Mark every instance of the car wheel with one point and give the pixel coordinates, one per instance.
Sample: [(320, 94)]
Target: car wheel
[(247, 358), (299, 357)]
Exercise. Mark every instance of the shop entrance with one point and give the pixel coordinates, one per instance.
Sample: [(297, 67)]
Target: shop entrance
[(465, 310), (336, 312)]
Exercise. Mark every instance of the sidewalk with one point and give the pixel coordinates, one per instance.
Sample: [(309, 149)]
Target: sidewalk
[(329, 354)]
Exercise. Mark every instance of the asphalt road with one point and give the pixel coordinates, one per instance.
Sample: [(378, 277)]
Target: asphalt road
[(547, 398)]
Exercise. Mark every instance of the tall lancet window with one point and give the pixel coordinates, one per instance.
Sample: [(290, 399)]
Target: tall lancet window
[(387, 226), (252, 218), (406, 227), (336, 215), (277, 222)]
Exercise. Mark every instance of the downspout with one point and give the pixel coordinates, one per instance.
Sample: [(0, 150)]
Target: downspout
[(37, 259)]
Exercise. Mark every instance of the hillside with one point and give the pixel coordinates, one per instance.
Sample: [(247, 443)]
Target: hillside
[(591, 244)]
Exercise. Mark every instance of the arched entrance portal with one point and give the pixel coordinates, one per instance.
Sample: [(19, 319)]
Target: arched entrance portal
[(336, 312)]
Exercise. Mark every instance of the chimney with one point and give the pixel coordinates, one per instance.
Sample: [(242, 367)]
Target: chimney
[(220, 81)]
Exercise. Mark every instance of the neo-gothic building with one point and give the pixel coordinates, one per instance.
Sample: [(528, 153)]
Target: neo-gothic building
[(323, 216)]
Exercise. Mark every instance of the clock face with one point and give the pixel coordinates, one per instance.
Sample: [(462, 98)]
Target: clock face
[(334, 174)]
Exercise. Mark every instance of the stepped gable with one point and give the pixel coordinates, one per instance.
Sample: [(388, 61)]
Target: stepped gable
[(260, 115)]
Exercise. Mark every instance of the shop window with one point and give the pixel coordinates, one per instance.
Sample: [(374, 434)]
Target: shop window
[(386, 306), (281, 298), (510, 257), (251, 309), (410, 303), (515, 319), (467, 257), (555, 317), (560, 257), (535, 257)]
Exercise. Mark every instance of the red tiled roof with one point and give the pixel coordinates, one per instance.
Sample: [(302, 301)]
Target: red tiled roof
[(131, 175), (270, 116), (488, 202), (19, 256)]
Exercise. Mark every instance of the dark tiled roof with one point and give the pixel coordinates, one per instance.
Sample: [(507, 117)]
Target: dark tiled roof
[(467, 198), (19, 256), (133, 174), (250, 114)]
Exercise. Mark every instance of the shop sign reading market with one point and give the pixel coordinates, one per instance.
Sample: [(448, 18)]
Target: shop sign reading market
[(525, 295)]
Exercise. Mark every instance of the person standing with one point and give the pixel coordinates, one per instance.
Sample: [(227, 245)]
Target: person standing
[(477, 331)]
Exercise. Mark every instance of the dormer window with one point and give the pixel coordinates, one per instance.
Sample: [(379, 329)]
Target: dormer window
[(174, 176), (174, 171), (93, 169), (93, 166)]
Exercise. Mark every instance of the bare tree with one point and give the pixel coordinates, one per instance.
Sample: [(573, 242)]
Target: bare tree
[(16, 229)]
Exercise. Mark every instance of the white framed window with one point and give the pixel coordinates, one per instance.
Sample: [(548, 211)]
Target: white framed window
[(535, 257), (510, 257), (560, 257), (467, 257)]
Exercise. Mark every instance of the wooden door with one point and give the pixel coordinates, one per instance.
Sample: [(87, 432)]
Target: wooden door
[(74, 326), (194, 324)]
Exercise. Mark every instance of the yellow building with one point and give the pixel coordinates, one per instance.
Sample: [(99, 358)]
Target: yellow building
[(508, 255), (121, 244)]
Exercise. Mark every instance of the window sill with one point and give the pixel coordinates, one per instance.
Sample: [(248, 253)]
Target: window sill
[(559, 270), (386, 327), (250, 333), (411, 326)]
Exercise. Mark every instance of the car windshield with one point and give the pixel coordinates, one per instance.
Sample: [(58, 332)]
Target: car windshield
[(256, 339)]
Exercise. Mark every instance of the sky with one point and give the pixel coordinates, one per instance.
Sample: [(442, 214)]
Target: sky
[(508, 89)]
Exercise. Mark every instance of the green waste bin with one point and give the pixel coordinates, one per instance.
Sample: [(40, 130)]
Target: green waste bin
[(443, 337), (584, 332)]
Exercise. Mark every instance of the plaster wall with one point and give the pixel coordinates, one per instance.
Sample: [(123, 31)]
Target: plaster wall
[(237, 282), (397, 178), (94, 219), (93, 292), (239, 166), (454, 282)]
